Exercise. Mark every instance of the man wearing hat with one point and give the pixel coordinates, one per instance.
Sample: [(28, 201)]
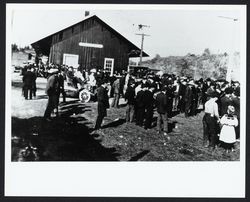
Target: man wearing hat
[(148, 99), (182, 91), (140, 106), (225, 101), (102, 103), (161, 105), (28, 81), (52, 90), (210, 120), (130, 98), (188, 97)]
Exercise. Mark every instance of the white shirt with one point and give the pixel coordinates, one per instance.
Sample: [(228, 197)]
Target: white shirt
[(211, 107), (92, 80)]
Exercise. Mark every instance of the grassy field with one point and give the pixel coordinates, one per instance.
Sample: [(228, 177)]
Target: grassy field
[(69, 137)]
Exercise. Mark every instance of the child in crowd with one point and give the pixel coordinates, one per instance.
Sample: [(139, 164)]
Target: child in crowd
[(227, 135)]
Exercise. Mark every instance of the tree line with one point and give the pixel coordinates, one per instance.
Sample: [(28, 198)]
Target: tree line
[(16, 48), (206, 65)]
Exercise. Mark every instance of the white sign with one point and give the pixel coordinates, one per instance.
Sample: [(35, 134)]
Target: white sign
[(91, 45)]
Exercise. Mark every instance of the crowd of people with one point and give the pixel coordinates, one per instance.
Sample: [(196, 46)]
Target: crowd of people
[(167, 94)]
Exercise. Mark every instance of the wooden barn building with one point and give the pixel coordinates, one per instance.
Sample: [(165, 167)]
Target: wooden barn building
[(90, 43)]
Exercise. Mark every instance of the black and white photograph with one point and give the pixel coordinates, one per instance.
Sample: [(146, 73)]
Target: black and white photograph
[(112, 90)]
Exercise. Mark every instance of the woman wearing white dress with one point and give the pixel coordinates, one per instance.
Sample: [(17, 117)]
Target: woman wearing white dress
[(227, 135)]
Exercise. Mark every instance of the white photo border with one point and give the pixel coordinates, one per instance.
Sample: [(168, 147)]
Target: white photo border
[(125, 179)]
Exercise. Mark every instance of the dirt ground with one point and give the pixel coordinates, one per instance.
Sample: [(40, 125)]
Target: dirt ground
[(69, 137)]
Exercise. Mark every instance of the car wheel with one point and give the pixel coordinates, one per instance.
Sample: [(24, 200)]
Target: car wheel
[(84, 96)]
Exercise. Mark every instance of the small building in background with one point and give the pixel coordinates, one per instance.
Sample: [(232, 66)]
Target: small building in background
[(19, 58), (88, 44)]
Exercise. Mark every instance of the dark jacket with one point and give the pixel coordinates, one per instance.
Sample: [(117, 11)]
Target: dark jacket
[(29, 78), (182, 90), (139, 99), (148, 99), (61, 81), (225, 102), (161, 103), (170, 92), (130, 95), (102, 97), (236, 104), (188, 94), (195, 94), (52, 86)]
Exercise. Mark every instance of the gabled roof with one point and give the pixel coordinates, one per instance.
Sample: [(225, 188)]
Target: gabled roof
[(43, 45)]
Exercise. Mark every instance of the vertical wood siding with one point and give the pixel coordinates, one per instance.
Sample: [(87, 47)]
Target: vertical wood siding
[(90, 31)]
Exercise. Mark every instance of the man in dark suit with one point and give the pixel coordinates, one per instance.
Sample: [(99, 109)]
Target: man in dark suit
[(182, 91), (28, 81), (102, 103), (226, 101), (170, 96), (130, 98), (188, 98), (193, 109), (140, 107), (148, 99), (162, 108), (52, 90)]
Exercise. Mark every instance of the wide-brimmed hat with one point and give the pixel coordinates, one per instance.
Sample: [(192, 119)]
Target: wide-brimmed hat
[(53, 71)]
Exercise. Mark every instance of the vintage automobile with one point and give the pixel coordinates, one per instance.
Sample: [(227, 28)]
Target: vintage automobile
[(80, 89)]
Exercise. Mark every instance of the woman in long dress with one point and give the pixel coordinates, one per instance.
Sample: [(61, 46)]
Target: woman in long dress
[(227, 135)]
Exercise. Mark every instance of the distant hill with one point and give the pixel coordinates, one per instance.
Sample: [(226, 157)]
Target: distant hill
[(206, 65)]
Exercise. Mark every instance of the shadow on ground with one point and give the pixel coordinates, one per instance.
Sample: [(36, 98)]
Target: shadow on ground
[(114, 123), (63, 139)]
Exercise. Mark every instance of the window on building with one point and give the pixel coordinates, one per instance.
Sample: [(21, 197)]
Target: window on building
[(109, 65)]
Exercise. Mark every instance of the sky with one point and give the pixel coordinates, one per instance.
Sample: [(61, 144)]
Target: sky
[(173, 31)]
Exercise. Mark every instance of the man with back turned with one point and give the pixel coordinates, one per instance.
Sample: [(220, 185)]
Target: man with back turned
[(103, 103)]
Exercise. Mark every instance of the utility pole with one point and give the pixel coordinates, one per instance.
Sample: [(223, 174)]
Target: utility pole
[(140, 27), (142, 40)]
